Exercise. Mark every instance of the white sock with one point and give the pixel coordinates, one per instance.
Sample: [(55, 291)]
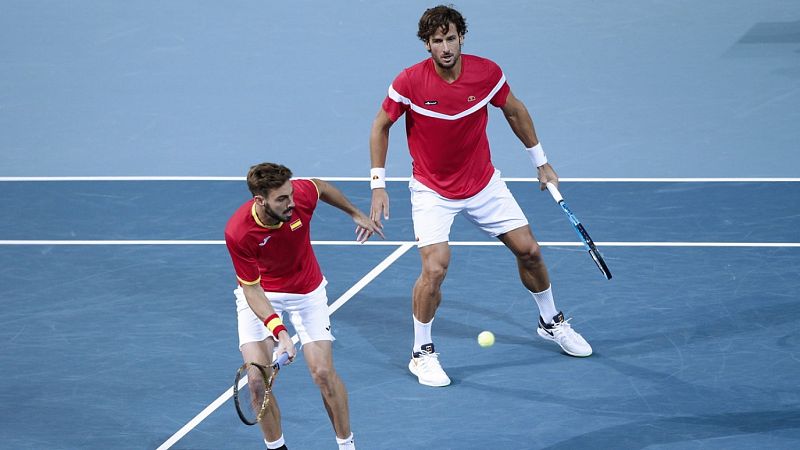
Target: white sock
[(347, 443), (422, 333), (275, 444), (547, 307)]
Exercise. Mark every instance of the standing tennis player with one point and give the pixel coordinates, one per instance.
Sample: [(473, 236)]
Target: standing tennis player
[(268, 239), (445, 100)]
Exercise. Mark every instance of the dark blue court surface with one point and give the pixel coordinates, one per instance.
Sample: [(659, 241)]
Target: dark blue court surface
[(119, 346)]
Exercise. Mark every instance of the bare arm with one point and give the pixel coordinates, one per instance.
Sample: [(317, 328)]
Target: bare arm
[(378, 148), (379, 139), (520, 120), (521, 123), (331, 195), (262, 308)]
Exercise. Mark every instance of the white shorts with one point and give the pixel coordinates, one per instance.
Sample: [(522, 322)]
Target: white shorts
[(494, 210), (308, 314)]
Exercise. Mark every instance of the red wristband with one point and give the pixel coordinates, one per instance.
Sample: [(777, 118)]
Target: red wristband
[(274, 324)]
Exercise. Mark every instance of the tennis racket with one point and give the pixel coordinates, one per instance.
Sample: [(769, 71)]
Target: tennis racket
[(585, 238), (252, 389)]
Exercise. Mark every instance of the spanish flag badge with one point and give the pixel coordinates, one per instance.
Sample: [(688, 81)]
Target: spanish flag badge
[(296, 224)]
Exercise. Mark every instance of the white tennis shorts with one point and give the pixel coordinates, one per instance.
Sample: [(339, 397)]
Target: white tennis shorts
[(494, 210), (308, 314)]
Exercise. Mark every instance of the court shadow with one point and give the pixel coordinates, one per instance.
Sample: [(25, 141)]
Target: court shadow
[(675, 430), (703, 328)]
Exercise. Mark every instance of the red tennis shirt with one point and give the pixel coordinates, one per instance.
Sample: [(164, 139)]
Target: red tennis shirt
[(279, 257), (446, 123)]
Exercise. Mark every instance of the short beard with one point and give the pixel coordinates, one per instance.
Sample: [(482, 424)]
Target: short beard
[(452, 64), (276, 216)]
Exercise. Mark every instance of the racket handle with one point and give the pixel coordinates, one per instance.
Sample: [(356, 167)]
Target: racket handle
[(554, 192), (282, 360)]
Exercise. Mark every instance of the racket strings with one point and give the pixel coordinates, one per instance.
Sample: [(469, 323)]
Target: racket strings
[(251, 394), (252, 389)]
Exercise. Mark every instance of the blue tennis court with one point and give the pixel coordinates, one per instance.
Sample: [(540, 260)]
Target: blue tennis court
[(695, 340), (125, 133)]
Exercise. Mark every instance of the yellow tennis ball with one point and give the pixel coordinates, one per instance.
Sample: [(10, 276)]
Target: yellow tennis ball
[(486, 339)]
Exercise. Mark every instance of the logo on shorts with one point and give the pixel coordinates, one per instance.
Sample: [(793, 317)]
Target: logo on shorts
[(328, 328), (264, 242), (431, 102), (471, 98)]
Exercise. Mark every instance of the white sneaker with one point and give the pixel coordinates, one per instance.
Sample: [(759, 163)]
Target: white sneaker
[(425, 365), (561, 333)]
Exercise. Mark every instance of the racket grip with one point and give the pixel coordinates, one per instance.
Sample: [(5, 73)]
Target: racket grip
[(281, 361), (554, 192)]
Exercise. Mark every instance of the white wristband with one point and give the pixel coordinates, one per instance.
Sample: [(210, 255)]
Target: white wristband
[(537, 155), (377, 178)]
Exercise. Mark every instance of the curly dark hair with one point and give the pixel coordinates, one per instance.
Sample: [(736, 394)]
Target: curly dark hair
[(267, 176), (439, 18)]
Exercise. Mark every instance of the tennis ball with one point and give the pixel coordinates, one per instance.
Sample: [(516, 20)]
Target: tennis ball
[(486, 339)]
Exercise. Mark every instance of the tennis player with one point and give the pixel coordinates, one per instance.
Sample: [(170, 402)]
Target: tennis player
[(444, 99), (268, 239)]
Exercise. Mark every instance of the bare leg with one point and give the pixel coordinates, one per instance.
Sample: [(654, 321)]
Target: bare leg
[(533, 273), (532, 270), (427, 293), (261, 352), (426, 297), (319, 357)]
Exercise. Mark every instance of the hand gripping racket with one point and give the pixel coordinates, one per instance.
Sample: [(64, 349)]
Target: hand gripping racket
[(252, 389), (585, 238)]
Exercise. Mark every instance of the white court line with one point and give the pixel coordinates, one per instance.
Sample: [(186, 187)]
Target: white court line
[(123, 178), (331, 309), (692, 244), (172, 242), (664, 180), (411, 243), (359, 179)]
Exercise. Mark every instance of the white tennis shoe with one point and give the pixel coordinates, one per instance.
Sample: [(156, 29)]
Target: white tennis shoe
[(425, 365), (561, 333)]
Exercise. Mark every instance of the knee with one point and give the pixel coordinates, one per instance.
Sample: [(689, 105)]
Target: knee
[(531, 255), (323, 377), (434, 273)]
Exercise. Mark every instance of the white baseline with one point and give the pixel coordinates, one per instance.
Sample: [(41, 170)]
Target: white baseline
[(406, 179), (56, 242)]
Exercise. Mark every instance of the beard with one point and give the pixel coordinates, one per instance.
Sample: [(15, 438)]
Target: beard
[(443, 65), (284, 217)]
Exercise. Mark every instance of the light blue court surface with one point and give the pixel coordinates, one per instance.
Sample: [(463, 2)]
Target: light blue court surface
[(118, 320), (629, 88)]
